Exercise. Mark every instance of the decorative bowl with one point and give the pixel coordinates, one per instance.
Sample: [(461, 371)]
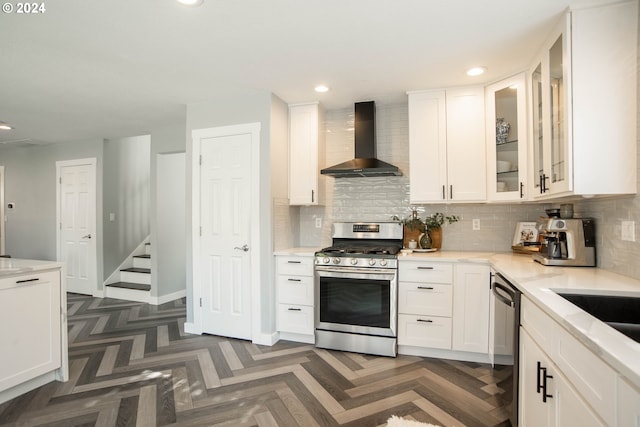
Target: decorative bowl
[(503, 166)]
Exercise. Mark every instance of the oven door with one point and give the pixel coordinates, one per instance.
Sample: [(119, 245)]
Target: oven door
[(361, 301)]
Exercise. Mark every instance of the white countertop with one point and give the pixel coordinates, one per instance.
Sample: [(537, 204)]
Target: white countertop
[(16, 266), (302, 251), (538, 283)]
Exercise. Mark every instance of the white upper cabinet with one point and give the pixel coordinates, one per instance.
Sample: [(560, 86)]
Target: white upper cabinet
[(507, 139), (584, 105), (306, 154), (447, 145)]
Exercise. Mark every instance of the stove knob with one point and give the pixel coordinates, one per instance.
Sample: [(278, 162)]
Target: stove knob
[(354, 261), (336, 260), (325, 260), (372, 262), (383, 262)]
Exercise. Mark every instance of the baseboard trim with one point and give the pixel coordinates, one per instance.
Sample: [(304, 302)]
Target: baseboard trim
[(162, 299), (303, 338), (26, 386), (190, 328), (444, 354), (265, 339)]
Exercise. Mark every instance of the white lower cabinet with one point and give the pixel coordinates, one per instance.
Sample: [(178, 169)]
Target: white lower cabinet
[(32, 332), (628, 409), (425, 304), (471, 294), (562, 382), (295, 308), (546, 397), (443, 309), (297, 319), (424, 331)]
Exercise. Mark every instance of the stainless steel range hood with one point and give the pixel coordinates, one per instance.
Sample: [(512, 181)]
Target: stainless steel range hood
[(365, 162)]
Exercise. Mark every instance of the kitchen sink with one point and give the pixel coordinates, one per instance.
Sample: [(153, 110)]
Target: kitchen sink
[(621, 312)]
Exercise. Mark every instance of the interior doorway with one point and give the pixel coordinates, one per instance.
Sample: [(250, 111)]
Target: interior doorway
[(76, 220), (226, 255)]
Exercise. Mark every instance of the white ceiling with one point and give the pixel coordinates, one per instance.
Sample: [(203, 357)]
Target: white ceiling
[(89, 69)]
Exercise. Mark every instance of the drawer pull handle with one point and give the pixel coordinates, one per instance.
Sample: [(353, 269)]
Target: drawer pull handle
[(27, 280), (294, 309), (425, 321), (425, 268), (294, 262), (294, 280), (426, 287)]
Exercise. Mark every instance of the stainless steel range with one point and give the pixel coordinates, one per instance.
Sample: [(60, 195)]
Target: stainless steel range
[(356, 285)]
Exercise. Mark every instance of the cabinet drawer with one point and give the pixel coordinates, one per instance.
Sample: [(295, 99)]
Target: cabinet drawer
[(51, 277), (295, 289), (426, 299), (539, 325), (295, 265), (427, 272), (424, 331), (595, 380), (297, 319)]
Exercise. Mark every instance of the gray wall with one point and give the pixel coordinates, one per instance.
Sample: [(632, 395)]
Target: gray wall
[(30, 182), (125, 194), (168, 234)]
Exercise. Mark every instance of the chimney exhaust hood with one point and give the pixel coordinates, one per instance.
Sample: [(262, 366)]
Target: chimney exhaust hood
[(365, 162)]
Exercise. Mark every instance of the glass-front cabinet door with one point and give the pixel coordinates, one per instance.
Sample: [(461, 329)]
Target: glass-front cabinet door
[(507, 139), (558, 116), (551, 173), (537, 128)]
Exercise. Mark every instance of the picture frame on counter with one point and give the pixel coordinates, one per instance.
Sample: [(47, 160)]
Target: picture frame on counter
[(525, 232)]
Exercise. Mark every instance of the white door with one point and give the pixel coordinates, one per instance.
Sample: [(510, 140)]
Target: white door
[(2, 238), (77, 224), (225, 221)]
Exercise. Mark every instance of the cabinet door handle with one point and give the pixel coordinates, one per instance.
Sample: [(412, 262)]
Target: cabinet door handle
[(425, 268), (27, 280), (538, 382), (425, 320), (294, 280), (444, 196), (451, 192), (426, 287), (545, 377), (312, 194), (294, 309), (521, 190), (294, 262)]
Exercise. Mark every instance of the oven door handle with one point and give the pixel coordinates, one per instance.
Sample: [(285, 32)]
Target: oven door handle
[(349, 270)]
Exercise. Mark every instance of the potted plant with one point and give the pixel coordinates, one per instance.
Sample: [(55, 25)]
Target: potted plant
[(413, 228), (434, 223)]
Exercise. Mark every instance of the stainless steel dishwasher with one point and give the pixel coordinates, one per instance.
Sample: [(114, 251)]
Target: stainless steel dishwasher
[(506, 313)]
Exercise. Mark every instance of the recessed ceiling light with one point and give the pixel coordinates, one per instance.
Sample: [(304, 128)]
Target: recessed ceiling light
[(476, 71), (5, 126), (191, 2), (321, 88)]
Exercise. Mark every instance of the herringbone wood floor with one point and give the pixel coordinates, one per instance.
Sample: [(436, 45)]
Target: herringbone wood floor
[(132, 364)]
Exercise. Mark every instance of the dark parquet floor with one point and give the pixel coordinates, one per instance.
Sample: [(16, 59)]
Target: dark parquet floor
[(132, 364)]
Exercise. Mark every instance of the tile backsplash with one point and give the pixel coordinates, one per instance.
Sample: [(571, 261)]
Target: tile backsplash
[(378, 199)]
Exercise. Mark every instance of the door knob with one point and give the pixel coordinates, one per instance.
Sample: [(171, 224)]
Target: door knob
[(88, 236), (244, 248)]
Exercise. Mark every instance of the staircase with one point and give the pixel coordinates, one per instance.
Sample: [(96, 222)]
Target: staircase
[(135, 281)]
